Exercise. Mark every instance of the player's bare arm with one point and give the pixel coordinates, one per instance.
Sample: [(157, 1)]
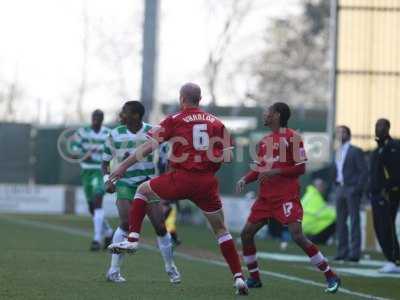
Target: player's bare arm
[(294, 171), (251, 176), (141, 152), (254, 173), (105, 168)]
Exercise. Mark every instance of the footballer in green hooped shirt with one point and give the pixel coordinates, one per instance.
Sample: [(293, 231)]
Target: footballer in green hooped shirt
[(123, 141), (88, 143)]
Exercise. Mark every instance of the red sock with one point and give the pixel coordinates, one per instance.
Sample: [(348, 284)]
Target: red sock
[(318, 260), (230, 254), (250, 258), (136, 216)]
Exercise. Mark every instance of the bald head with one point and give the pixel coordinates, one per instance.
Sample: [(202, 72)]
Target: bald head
[(191, 93)]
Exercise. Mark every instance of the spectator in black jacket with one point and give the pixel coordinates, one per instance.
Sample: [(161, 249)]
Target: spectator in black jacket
[(384, 192)]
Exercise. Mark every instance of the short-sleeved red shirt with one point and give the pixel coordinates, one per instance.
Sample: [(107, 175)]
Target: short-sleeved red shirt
[(279, 150), (198, 139)]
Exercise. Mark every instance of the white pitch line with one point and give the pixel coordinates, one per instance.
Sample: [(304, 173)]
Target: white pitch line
[(304, 259), (273, 274), (83, 233)]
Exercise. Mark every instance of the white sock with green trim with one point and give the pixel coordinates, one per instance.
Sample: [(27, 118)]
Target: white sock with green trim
[(165, 246), (98, 219), (116, 259)]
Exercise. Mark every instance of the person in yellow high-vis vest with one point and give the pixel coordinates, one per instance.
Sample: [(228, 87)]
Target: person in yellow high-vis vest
[(319, 219), (171, 215)]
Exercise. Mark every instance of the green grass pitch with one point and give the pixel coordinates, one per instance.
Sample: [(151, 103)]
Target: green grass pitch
[(47, 257)]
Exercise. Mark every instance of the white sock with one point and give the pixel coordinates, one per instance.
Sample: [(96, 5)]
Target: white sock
[(165, 246), (106, 229), (116, 259), (98, 219)]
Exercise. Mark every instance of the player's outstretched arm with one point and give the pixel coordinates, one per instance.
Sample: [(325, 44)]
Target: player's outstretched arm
[(294, 171), (251, 176), (257, 165), (141, 152)]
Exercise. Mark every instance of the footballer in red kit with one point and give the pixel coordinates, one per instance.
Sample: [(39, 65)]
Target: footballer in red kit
[(198, 140), (200, 144), (280, 161), (279, 196)]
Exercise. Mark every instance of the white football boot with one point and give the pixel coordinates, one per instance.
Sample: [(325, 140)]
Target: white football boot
[(174, 275), (123, 247), (241, 287), (389, 267), (115, 276)]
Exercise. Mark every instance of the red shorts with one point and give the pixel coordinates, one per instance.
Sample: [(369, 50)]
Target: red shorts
[(284, 211), (200, 188)]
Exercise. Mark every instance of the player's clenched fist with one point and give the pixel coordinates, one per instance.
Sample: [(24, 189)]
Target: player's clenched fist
[(240, 185), (118, 173), (109, 186)]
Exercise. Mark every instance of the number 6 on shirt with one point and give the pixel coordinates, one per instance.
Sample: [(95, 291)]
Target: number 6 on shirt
[(201, 139)]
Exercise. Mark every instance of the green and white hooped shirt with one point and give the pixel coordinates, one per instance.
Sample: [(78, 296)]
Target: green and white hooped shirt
[(90, 143), (120, 144)]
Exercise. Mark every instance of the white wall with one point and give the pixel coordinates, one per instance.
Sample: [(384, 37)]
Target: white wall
[(18, 198), (81, 207)]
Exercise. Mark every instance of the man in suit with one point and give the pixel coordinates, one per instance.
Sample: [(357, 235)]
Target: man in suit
[(350, 174)]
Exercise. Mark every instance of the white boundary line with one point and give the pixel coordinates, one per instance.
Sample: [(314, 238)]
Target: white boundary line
[(83, 233)]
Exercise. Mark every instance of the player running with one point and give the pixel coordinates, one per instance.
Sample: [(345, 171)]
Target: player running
[(280, 161), (200, 143), (88, 143), (123, 141)]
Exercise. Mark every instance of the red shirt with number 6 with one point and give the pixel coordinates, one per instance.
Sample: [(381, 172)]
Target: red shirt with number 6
[(198, 140)]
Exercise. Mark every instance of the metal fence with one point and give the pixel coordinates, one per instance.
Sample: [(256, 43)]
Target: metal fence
[(15, 152)]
